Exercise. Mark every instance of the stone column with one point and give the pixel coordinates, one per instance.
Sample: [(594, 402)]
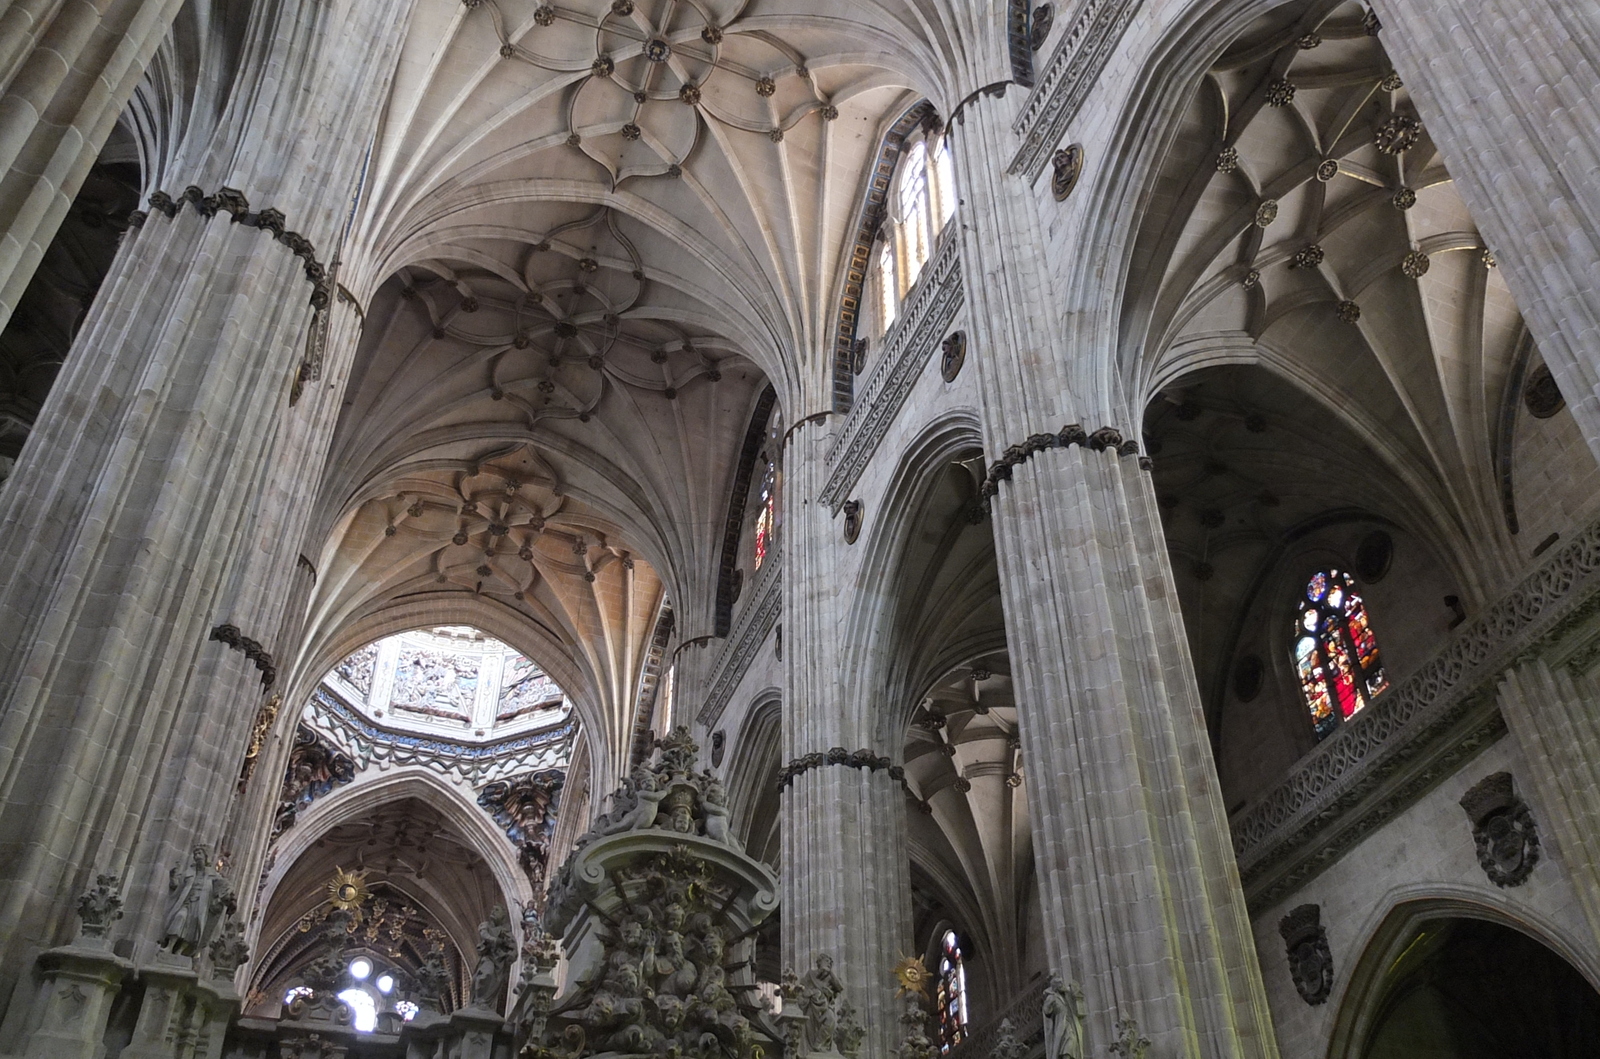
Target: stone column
[(157, 500), (1510, 91), (1139, 886), (66, 72), (846, 868), (1555, 718)]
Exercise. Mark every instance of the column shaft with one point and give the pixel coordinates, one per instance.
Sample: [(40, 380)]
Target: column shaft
[(1137, 877), (1510, 91), (1555, 719), (846, 868), (166, 489)]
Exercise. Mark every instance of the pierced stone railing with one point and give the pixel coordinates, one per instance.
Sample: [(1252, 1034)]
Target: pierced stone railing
[(1418, 732), (1026, 1013)]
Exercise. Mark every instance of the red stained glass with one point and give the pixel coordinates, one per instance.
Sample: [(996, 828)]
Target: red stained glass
[(1335, 653)]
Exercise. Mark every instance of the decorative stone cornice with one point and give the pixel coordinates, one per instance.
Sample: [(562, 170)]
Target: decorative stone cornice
[(754, 625), (372, 745), (925, 318), (856, 759), (232, 202), (1106, 439), (230, 635), (1419, 732), (1072, 71)]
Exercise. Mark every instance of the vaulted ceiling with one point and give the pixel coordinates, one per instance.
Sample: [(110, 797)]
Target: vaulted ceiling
[(590, 234), (1305, 221)]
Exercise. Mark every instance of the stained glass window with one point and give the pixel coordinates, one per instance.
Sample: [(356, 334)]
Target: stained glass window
[(765, 523), (952, 998), (1335, 652)]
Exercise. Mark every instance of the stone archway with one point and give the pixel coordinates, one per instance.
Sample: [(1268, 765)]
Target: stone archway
[(1449, 981)]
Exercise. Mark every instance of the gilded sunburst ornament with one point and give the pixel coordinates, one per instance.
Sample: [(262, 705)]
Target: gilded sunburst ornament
[(912, 974), (347, 890)]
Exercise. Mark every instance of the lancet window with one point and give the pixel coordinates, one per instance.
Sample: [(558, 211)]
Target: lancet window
[(922, 203), (766, 519), (952, 998), (1335, 651)]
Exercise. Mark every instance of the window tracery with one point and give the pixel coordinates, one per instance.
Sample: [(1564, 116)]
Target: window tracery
[(952, 994), (1335, 652), (922, 204)]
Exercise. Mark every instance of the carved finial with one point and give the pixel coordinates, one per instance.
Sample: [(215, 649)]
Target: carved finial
[(228, 951), (100, 906)]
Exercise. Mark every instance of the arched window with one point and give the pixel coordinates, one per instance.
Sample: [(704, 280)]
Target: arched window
[(952, 997), (915, 224), (922, 203), (888, 285), (766, 522), (1335, 652)]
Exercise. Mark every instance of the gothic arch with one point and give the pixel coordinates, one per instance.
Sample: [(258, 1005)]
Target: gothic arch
[(883, 653), (753, 774), (1393, 923), (467, 822)]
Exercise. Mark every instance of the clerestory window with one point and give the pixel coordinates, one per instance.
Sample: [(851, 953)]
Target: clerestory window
[(1335, 651)]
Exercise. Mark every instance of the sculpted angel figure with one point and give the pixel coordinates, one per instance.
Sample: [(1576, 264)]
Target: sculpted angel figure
[(715, 805)]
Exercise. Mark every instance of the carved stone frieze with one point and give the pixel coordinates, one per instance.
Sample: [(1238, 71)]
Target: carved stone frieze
[(753, 624), (929, 310), (1503, 830), (1310, 961), (1067, 79), (369, 743)]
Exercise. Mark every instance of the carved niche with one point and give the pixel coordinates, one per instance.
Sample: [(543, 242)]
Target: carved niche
[(1310, 960), (1503, 830)]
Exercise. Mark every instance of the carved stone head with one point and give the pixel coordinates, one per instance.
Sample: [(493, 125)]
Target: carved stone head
[(1310, 961), (1503, 830)]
